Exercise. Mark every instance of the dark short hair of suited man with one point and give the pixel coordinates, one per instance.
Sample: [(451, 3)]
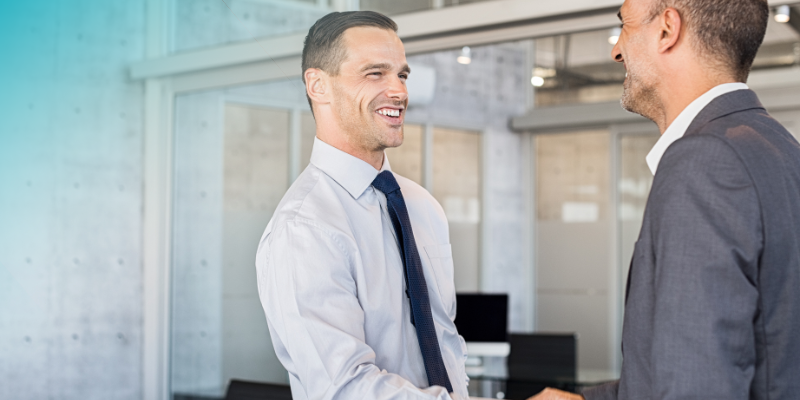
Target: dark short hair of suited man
[(727, 32), (712, 308)]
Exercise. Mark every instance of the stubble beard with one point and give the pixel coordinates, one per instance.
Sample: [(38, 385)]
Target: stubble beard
[(640, 95), (360, 125)]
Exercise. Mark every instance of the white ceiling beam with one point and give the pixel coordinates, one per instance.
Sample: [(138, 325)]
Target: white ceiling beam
[(507, 34), (284, 68), (233, 54)]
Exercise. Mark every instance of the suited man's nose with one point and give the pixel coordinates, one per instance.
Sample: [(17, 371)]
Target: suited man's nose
[(616, 54)]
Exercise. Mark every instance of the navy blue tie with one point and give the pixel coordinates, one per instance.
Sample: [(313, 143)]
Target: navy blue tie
[(417, 289)]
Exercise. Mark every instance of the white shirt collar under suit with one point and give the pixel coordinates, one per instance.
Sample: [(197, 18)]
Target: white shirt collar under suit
[(678, 127)]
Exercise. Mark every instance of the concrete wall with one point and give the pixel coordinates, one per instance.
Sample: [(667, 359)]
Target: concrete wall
[(199, 24), (70, 200)]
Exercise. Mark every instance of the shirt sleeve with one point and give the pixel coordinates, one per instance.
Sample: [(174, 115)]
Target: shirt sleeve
[(309, 294), (706, 238)]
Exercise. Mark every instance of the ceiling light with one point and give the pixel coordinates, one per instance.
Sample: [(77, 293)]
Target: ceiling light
[(539, 74), (613, 36), (782, 14), (465, 57)]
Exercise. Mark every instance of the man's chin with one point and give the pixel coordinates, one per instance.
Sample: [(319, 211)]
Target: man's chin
[(636, 104), (627, 105), (392, 139)]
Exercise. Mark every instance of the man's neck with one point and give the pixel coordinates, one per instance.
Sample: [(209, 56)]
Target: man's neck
[(341, 142), (677, 95)]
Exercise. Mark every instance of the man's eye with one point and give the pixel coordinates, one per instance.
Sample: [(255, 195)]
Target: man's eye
[(403, 76), (375, 73)]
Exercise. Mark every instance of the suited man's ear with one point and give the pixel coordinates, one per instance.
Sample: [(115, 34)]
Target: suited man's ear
[(670, 27)]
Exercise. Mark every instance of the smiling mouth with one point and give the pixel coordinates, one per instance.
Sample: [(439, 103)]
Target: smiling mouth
[(392, 115)]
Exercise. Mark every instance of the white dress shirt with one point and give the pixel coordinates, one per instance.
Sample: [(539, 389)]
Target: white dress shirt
[(332, 285), (678, 127)]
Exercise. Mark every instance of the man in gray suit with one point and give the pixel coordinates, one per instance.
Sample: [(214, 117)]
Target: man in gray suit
[(713, 299)]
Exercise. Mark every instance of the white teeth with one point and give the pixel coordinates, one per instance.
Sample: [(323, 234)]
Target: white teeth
[(389, 112)]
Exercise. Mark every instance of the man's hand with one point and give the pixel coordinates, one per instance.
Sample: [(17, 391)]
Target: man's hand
[(555, 394)]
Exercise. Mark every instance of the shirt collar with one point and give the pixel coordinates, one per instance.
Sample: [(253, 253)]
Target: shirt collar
[(678, 127), (352, 173)]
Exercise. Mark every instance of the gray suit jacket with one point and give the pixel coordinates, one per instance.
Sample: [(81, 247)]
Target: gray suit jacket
[(712, 308)]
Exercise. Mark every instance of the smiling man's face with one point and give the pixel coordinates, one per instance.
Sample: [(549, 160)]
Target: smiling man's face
[(635, 48), (370, 95)]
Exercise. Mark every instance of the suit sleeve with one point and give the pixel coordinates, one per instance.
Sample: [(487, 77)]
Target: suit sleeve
[(606, 391), (309, 295), (706, 240)]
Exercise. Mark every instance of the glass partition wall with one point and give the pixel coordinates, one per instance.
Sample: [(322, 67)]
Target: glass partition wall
[(592, 187), (574, 242)]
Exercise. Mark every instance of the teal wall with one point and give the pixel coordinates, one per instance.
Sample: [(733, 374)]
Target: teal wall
[(70, 200)]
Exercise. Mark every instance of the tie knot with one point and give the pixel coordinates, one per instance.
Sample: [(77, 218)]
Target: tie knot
[(386, 183)]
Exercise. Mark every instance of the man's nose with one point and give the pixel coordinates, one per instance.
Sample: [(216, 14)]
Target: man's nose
[(397, 89), (616, 54)]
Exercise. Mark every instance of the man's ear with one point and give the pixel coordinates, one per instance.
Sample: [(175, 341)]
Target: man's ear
[(317, 85), (670, 29)]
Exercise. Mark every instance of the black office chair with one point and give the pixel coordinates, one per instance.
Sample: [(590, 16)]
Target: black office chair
[(244, 390), (538, 361)]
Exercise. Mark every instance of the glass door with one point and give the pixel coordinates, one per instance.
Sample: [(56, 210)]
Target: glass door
[(232, 167)]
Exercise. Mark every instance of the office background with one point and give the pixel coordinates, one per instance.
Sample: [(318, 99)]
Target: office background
[(145, 143)]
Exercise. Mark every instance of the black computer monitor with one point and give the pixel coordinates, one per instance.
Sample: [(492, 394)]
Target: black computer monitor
[(482, 317)]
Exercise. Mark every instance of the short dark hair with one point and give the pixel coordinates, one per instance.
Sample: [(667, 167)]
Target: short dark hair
[(323, 46), (729, 31)]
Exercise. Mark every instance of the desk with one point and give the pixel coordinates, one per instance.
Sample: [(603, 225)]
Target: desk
[(501, 387)]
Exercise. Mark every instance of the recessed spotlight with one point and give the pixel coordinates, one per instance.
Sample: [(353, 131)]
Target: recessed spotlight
[(613, 36), (466, 56), (782, 14), (537, 81)]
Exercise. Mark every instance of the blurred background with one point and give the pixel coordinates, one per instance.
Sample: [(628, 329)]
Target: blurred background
[(144, 145)]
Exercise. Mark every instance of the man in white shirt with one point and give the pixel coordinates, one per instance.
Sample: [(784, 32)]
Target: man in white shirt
[(712, 308), (355, 271)]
